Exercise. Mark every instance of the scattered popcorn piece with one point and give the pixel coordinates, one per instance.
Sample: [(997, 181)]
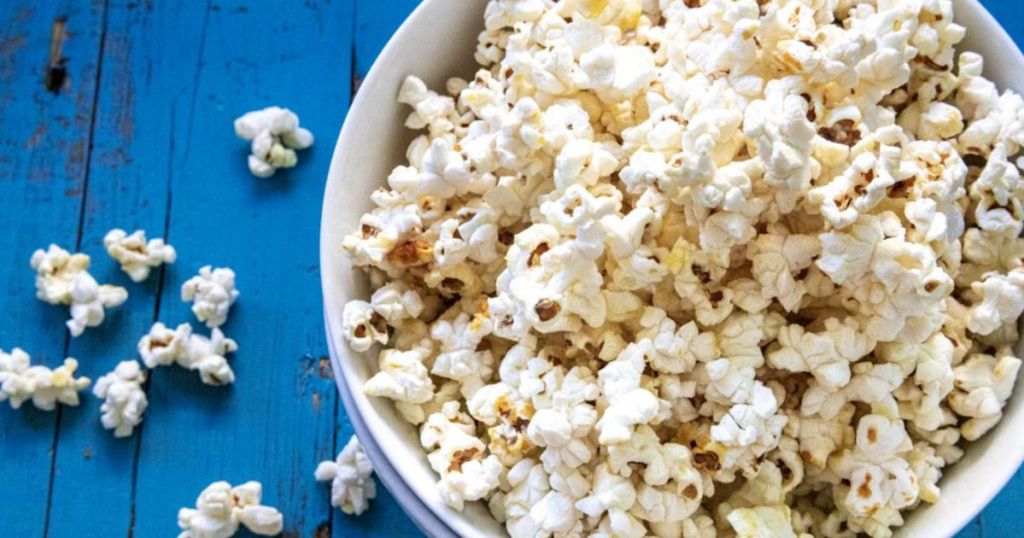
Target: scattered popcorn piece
[(221, 509), (351, 477), (137, 256), (63, 278), (124, 399), (212, 293), (19, 381), (207, 355), (275, 135), (55, 270), (89, 301), (163, 347)]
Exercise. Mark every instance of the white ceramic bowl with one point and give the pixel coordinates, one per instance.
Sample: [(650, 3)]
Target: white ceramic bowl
[(435, 43)]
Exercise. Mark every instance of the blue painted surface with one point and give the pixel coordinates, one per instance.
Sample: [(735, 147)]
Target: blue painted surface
[(140, 137)]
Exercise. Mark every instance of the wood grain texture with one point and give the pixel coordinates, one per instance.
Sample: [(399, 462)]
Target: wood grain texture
[(150, 54), (44, 139), (139, 136), (276, 423)]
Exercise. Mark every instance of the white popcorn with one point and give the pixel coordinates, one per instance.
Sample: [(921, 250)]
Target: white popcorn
[(89, 300), (55, 270), (351, 476), (563, 428), (275, 135), (762, 522), (207, 355), (163, 347), (659, 249), (402, 377), (212, 293), (124, 398), (983, 384), (221, 509), (880, 480), (137, 256), (363, 325), (19, 381), (1002, 301), (827, 355), (474, 480), (629, 405), (63, 278)]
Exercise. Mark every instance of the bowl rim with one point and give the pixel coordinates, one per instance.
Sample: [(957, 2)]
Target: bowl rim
[(431, 519)]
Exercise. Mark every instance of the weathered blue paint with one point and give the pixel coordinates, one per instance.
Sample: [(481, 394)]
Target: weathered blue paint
[(140, 137)]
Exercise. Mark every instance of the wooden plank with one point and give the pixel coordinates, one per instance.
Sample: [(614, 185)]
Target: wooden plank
[(43, 162), (150, 56), (276, 423)]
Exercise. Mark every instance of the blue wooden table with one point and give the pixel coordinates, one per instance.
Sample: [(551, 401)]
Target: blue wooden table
[(138, 134)]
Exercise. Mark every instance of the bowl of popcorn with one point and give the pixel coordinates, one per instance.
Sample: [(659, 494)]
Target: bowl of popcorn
[(683, 268)]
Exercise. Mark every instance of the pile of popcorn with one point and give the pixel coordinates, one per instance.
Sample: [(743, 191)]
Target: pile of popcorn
[(687, 267)]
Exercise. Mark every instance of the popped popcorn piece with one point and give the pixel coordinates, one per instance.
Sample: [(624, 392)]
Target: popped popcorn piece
[(137, 256), (221, 509), (351, 476), (628, 404), (163, 347), (762, 522), (402, 377), (363, 325), (1002, 301), (212, 293), (89, 301), (19, 382), (63, 278), (207, 355), (55, 269), (880, 479), (983, 384), (274, 134), (124, 400)]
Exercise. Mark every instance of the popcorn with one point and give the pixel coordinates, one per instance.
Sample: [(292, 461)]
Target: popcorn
[(351, 477), (19, 381), (983, 384), (1002, 301), (207, 355), (629, 405), (163, 347), (402, 377), (827, 356), (275, 135), (124, 398), (700, 265), (63, 278), (221, 509), (363, 325), (136, 256), (212, 293), (880, 480), (56, 269), (762, 522)]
